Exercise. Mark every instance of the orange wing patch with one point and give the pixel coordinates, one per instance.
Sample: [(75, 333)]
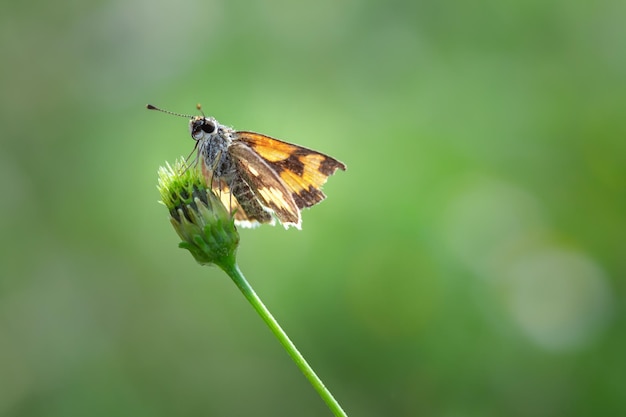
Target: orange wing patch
[(272, 150), (303, 170)]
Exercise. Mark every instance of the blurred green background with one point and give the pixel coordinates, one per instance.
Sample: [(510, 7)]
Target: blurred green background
[(470, 262)]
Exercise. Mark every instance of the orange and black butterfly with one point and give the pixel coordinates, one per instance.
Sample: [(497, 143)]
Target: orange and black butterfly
[(260, 178)]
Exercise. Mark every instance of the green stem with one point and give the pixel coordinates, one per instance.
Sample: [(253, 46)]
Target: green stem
[(232, 269)]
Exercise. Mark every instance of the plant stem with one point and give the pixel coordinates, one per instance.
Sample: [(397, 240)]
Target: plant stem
[(232, 269)]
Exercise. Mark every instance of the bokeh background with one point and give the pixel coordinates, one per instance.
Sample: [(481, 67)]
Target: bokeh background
[(470, 262)]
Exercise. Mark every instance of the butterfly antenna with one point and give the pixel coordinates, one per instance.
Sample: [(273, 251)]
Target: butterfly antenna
[(151, 107)]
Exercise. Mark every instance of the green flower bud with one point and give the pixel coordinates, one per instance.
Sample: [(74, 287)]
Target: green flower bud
[(206, 228)]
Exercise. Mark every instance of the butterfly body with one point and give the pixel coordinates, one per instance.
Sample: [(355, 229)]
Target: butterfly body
[(260, 178), (213, 143)]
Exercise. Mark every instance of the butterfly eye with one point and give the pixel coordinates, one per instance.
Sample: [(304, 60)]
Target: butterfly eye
[(196, 132), (208, 127)]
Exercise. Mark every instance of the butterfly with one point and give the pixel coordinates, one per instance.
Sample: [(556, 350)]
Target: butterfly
[(259, 178)]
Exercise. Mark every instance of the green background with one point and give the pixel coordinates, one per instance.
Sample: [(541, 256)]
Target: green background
[(470, 262)]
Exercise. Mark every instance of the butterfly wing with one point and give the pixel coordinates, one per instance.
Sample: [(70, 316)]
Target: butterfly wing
[(246, 209), (265, 183), (303, 171)]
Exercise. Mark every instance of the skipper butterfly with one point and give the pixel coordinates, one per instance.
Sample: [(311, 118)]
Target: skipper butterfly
[(260, 178)]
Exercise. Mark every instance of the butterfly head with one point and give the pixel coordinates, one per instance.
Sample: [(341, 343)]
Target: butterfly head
[(202, 127)]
